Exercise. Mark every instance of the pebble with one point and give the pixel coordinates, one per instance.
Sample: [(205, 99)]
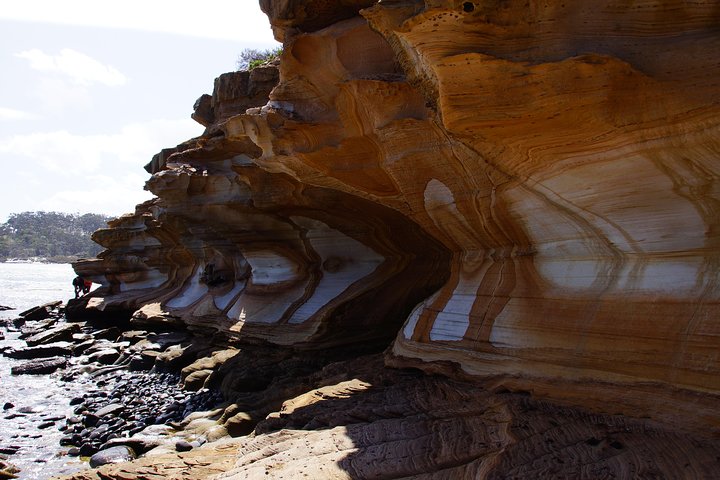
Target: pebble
[(134, 402)]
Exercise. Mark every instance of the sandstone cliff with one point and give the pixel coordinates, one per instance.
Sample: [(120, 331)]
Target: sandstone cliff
[(522, 195)]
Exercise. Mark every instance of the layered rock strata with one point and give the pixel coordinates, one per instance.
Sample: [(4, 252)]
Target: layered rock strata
[(526, 193), (363, 421)]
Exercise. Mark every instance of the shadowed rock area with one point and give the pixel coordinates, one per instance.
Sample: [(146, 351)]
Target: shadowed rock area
[(518, 199)]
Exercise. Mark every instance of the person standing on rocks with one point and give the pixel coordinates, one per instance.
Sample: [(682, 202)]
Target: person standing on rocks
[(81, 285)]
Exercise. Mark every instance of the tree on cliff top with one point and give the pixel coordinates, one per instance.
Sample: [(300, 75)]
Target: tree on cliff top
[(54, 236), (251, 58)]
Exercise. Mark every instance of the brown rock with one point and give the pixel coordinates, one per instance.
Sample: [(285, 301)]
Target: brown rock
[(41, 351), (39, 367), (521, 194), (60, 333), (374, 422), (195, 375)]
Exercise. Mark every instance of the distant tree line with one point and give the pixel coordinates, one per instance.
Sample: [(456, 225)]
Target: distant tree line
[(51, 236)]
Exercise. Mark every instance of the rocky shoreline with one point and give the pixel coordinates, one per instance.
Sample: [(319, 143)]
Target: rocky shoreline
[(134, 396), (165, 404), (159, 390)]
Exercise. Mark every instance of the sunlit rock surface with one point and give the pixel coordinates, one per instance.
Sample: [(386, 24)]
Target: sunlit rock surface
[(524, 194), (381, 423)]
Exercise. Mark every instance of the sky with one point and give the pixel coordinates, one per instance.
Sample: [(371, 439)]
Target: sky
[(90, 90)]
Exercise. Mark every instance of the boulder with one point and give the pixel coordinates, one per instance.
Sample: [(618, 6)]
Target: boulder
[(63, 332), (105, 356), (195, 375), (55, 349), (121, 453), (111, 333), (196, 379), (39, 367), (36, 313)]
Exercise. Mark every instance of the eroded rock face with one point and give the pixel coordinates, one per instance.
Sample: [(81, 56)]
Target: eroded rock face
[(232, 249), (532, 188)]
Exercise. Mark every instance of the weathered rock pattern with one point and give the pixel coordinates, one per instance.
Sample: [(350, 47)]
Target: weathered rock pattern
[(381, 423), (525, 195)]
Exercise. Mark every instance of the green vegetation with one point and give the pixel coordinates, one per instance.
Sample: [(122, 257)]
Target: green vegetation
[(50, 236), (251, 58)]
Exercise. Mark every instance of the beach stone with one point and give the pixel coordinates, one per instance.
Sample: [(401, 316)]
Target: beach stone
[(183, 446), (87, 449), (111, 333), (62, 332), (112, 409), (36, 313), (55, 349), (74, 420), (98, 433), (81, 347), (121, 453), (39, 367), (140, 362), (90, 420), (8, 406), (105, 356)]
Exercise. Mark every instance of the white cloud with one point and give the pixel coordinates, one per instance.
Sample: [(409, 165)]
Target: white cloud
[(12, 114), (112, 196), (237, 20), (80, 68), (66, 172), (66, 154)]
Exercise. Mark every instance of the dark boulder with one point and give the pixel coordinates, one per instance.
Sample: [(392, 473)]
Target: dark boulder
[(56, 349), (121, 453), (36, 313), (106, 356), (40, 312), (39, 367)]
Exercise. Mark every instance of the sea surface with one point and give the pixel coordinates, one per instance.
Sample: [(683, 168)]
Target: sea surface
[(37, 399)]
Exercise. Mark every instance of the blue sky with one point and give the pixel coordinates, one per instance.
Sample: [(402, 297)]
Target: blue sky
[(91, 90)]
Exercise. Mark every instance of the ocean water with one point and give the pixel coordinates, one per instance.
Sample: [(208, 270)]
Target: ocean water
[(24, 285), (37, 399)]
